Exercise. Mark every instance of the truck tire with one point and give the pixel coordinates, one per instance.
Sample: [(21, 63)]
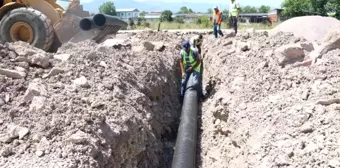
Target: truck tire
[(34, 27)]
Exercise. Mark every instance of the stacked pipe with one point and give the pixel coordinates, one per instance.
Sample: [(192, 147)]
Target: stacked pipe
[(185, 150), (100, 21)]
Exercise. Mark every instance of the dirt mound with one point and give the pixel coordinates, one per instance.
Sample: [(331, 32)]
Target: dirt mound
[(272, 102), (261, 114), (88, 106), (312, 28)]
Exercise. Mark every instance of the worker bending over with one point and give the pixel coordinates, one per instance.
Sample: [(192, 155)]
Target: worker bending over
[(190, 64), (234, 13), (217, 21), (196, 42)]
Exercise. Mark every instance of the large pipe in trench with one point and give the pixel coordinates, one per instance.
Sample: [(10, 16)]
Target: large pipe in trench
[(99, 21), (185, 150)]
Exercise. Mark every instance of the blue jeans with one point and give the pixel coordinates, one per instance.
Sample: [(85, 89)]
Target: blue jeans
[(196, 82), (234, 23), (217, 29)]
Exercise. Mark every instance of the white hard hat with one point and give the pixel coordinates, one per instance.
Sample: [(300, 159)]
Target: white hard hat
[(215, 7)]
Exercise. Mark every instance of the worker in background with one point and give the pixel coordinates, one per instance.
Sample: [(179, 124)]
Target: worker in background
[(196, 42), (217, 20), (190, 64), (234, 12)]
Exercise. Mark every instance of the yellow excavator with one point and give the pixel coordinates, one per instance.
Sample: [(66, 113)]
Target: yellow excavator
[(46, 25)]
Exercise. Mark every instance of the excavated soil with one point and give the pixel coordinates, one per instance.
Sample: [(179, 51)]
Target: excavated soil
[(98, 107), (260, 114), (115, 105), (312, 28)]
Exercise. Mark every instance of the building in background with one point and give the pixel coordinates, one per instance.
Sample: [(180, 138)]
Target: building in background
[(153, 16), (126, 14), (253, 17), (275, 15)]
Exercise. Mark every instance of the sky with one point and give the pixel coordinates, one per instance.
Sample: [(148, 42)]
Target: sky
[(173, 5)]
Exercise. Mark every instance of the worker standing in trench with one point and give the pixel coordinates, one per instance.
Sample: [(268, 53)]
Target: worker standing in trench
[(196, 43), (190, 62)]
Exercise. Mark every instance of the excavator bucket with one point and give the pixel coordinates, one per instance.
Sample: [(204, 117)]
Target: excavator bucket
[(70, 27)]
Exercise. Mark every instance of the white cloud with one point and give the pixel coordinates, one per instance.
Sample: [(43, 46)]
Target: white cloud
[(86, 1)]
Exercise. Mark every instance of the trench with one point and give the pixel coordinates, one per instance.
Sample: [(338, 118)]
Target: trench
[(172, 138), (186, 137), (169, 138)]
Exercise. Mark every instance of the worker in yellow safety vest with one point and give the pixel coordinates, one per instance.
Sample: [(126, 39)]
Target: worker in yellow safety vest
[(190, 63), (217, 21), (234, 12)]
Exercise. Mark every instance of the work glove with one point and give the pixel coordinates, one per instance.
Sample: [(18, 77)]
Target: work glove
[(189, 70)]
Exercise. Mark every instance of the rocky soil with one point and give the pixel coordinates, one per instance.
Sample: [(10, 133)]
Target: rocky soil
[(87, 105), (273, 104)]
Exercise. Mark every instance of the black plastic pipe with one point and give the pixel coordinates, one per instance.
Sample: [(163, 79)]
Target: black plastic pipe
[(100, 21), (87, 24), (185, 150), (107, 20)]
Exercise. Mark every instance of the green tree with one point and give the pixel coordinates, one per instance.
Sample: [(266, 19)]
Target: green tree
[(333, 6), (131, 22), (166, 16), (324, 7), (248, 9), (209, 10), (139, 21), (179, 19), (296, 7), (318, 6), (143, 13), (304, 7), (185, 10), (108, 8), (264, 9), (204, 21), (226, 11)]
